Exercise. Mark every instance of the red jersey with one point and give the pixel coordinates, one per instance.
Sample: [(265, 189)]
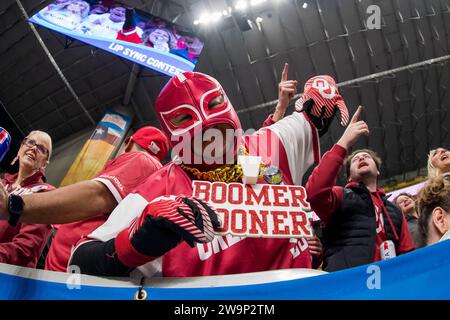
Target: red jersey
[(120, 175), (22, 245), (130, 35), (297, 143)]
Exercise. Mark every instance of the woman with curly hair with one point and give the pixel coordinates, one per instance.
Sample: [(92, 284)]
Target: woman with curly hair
[(434, 210)]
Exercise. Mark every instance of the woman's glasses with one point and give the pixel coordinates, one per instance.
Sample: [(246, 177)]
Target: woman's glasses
[(40, 148)]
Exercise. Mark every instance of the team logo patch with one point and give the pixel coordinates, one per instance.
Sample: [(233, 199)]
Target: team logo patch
[(326, 90), (153, 147)]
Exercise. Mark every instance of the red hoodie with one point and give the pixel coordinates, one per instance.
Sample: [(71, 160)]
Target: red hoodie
[(22, 245), (325, 199)]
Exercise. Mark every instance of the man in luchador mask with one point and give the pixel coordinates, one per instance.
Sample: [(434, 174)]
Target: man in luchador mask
[(206, 137)]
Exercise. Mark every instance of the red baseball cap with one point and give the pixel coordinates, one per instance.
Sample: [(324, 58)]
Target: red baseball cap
[(153, 140)]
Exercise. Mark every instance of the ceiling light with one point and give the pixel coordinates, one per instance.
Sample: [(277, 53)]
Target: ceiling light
[(216, 16), (204, 18), (241, 5), (256, 2)]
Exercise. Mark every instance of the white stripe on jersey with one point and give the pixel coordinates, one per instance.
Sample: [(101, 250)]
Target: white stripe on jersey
[(111, 187), (122, 216)]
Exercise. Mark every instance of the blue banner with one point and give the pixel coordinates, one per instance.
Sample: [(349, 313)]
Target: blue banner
[(422, 274)]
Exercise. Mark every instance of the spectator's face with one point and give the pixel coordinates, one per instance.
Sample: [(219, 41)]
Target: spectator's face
[(194, 103), (34, 152), (120, 11), (194, 45), (441, 160), (219, 143), (159, 36), (216, 149), (406, 204), (75, 7), (362, 165)]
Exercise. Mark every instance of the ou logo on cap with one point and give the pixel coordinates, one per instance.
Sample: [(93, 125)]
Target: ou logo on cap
[(326, 90)]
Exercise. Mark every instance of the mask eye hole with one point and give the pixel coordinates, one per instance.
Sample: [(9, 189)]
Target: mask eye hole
[(180, 119), (216, 103)]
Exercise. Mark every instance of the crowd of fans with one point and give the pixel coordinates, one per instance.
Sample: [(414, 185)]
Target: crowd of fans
[(136, 211), (107, 20)]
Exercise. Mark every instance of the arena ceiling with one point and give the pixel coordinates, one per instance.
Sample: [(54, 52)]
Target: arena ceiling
[(407, 110)]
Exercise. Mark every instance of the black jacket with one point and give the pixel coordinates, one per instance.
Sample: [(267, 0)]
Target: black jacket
[(349, 237)]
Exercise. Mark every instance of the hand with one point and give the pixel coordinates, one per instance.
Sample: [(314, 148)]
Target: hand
[(321, 101), (286, 91), (4, 214), (354, 131), (165, 222), (129, 13), (197, 222), (315, 246), (129, 21)]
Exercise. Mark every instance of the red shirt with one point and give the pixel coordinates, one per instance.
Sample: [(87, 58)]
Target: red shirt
[(22, 245), (130, 35), (225, 254), (120, 176), (380, 231), (325, 199), (269, 121), (298, 149)]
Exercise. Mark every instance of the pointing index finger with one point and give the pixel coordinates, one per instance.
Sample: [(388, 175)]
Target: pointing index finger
[(357, 114), (284, 74)]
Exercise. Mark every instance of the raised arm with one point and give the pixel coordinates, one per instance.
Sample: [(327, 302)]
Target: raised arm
[(63, 205), (286, 91), (324, 197)]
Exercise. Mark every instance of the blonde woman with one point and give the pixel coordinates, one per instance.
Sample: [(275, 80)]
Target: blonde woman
[(438, 162), (22, 244)]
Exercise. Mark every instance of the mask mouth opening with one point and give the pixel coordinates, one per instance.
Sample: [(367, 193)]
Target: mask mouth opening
[(216, 144)]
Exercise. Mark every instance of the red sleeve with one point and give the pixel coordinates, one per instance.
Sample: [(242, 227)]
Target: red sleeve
[(27, 245), (126, 172), (25, 248), (406, 243), (269, 121), (324, 197)]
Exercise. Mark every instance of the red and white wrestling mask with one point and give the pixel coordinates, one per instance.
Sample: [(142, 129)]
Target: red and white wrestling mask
[(323, 92), (191, 103)]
